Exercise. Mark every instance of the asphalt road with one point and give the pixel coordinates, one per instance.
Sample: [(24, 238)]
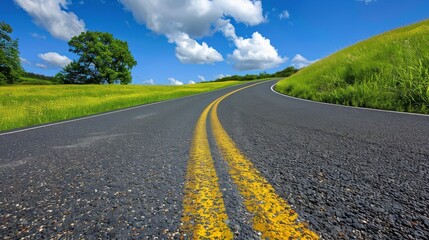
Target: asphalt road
[(348, 173)]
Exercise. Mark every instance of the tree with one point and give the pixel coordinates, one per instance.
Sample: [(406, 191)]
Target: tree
[(10, 63), (102, 59), (289, 71)]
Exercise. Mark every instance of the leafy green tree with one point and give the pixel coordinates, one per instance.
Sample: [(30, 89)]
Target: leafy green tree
[(10, 63), (289, 71), (102, 59), (264, 75)]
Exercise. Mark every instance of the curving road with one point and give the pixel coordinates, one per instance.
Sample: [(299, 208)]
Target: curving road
[(348, 173)]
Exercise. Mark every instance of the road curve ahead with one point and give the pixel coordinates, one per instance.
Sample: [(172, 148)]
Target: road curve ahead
[(242, 163)]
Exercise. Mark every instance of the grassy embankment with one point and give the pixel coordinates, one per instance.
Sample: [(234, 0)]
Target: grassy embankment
[(22, 106), (389, 71), (33, 81)]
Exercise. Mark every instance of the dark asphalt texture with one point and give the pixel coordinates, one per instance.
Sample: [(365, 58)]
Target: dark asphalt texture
[(351, 173), (115, 176)]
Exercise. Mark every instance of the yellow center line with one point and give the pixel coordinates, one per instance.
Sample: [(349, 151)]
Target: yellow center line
[(204, 215), (272, 216)]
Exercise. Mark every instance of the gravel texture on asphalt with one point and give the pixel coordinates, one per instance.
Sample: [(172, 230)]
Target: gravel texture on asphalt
[(351, 173), (240, 221), (117, 176)]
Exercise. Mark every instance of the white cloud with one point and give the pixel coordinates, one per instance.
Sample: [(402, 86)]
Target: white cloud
[(175, 82), (366, 1), (284, 15), (191, 82), (51, 15), (196, 16), (255, 53), (190, 51), (219, 76), (41, 65), (181, 21), (227, 28), (38, 36), (149, 82), (245, 11), (24, 61), (299, 61), (202, 78), (54, 59)]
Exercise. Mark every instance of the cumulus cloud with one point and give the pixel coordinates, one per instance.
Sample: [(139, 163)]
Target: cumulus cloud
[(245, 11), (149, 82), (52, 15), (41, 65), (202, 78), (196, 16), (54, 59), (24, 61), (227, 28), (38, 36), (219, 76), (284, 15), (196, 19), (366, 1), (191, 82), (299, 61), (255, 53), (190, 51), (175, 82)]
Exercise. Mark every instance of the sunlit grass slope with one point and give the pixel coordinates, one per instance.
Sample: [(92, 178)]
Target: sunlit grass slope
[(389, 71), (33, 81), (22, 106)]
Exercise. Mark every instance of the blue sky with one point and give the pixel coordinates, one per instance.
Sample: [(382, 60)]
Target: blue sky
[(179, 41)]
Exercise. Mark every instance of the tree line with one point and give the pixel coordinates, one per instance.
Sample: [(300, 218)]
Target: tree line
[(38, 76), (289, 71)]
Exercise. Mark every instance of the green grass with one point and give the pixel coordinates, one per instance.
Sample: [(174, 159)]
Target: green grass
[(22, 106), (33, 81), (389, 71)]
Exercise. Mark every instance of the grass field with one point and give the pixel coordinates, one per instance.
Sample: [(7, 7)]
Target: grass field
[(389, 71), (33, 81), (22, 106)]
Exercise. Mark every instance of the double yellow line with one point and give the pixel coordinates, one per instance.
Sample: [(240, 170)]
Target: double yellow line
[(204, 213)]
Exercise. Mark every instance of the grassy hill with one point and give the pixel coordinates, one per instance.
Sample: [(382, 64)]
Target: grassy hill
[(33, 81), (28, 78), (389, 71)]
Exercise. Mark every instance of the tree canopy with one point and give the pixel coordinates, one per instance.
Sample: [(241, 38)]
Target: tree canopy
[(102, 59), (10, 63), (289, 71)]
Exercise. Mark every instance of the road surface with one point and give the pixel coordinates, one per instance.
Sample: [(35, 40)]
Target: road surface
[(252, 164)]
